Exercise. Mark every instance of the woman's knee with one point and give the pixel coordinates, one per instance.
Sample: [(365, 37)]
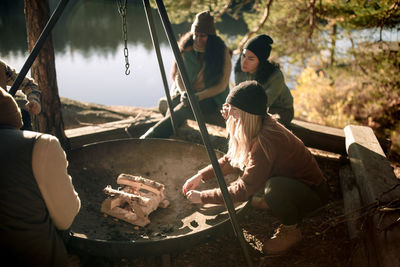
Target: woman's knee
[(274, 190)]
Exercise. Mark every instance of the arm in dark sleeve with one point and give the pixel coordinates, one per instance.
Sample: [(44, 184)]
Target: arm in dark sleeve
[(274, 86)]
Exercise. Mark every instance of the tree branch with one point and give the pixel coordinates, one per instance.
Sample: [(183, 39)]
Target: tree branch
[(223, 10), (312, 20), (259, 26)]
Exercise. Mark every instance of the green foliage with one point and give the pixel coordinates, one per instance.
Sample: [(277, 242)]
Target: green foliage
[(378, 97), (180, 11), (361, 14), (358, 86), (364, 90), (316, 99)]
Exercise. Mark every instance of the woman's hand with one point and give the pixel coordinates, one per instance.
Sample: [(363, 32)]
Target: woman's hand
[(33, 107), (191, 184), (194, 197)]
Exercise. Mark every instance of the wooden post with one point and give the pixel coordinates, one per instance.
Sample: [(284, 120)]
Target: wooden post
[(377, 184)]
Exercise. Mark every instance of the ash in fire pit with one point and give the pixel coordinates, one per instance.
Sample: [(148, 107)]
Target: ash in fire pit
[(166, 162), (134, 202)]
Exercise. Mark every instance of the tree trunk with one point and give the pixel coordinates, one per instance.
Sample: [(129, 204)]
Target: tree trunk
[(333, 43), (37, 14)]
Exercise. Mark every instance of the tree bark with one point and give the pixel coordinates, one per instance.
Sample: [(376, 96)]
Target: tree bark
[(312, 20), (333, 44), (43, 70)]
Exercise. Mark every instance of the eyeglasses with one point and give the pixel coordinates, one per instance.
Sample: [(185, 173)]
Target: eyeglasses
[(229, 110)]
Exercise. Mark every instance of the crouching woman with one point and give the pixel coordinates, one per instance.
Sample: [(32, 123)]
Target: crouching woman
[(270, 158)]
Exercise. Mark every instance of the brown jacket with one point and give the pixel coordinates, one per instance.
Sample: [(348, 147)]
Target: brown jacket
[(287, 156)]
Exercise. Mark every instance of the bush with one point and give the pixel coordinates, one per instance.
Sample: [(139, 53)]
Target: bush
[(318, 101), (364, 91)]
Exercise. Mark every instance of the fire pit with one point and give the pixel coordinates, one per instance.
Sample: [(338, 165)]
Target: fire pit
[(169, 162)]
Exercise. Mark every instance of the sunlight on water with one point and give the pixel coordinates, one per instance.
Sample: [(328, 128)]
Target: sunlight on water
[(101, 79)]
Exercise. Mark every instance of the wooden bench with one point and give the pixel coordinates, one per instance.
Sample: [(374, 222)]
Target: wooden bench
[(128, 128), (324, 137), (378, 189)]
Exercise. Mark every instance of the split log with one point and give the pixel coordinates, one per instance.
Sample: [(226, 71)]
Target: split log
[(133, 204), (139, 182), (127, 196)]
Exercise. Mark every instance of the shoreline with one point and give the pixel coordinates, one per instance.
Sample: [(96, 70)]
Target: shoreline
[(77, 114)]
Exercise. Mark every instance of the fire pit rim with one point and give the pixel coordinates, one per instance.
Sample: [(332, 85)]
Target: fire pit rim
[(133, 248)]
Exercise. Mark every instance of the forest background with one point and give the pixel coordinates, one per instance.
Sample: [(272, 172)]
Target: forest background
[(360, 85), (335, 87)]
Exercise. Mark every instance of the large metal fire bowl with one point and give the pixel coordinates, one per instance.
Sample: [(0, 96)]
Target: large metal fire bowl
[(176, 227)]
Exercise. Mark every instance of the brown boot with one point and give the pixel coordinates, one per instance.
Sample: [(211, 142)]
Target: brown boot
[(259, 203), (284, 238)]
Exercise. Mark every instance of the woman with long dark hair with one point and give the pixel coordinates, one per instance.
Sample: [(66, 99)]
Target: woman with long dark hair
[(270, 158), (253, 64), (208, 65)]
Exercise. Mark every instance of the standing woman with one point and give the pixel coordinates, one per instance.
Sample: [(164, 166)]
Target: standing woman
[(208, 65), (253, 64), (270, 158)]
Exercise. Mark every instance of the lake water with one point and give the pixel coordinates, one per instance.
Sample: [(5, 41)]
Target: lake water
[(89, 56)]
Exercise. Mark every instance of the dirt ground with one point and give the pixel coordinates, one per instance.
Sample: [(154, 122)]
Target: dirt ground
[(325, 242)]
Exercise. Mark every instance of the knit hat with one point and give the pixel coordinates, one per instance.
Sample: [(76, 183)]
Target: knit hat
[(10, 114), (204, 23), (260, 45), (248, 96)]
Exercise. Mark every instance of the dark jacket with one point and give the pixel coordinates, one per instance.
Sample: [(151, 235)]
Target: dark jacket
[(28, 236)]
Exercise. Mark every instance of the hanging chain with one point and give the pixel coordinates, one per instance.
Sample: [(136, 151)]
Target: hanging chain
[(122, 11)]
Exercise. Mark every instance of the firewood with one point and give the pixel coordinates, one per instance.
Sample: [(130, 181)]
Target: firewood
[(130, 203)]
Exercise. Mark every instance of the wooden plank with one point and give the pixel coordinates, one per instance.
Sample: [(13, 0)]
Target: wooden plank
[(128, 128), (351, 200), (313, 135), (320, 137), (324, 137), (376, 182)]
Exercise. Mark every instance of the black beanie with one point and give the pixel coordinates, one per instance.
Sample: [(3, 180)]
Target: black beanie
[(248, 96), (260, 45)]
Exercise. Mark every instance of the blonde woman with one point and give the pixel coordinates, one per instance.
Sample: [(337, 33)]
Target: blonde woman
[(269, 157)]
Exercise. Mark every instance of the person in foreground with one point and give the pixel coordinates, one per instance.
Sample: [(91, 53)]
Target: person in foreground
[(208, 66), (270, 157), (30, 90), (38, 201), (253, 64)]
